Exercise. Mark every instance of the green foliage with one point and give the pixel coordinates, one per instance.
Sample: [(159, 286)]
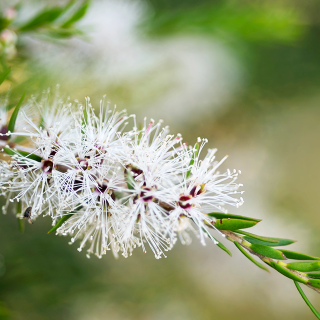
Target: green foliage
[(282, 242), (287, 273), (60, 222), (246, 254), (43, 18), (298, 255), (304, 266), (78, 14), (20, 221), (4, 75), (129, 179), (249, 21), (218, 243), (313, 275), (32, 156), (219, 215), (233, 224), (13, 119), (316, 313), (267, 251), (262, 240)]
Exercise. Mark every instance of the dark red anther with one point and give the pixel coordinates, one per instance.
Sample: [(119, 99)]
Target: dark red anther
[(183, 202), (47, 166), (4, 130)]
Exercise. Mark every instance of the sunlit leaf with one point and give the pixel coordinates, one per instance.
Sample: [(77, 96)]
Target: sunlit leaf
[(233, 224), (219, 215), (304, 266), (268, 251), (298, 255)]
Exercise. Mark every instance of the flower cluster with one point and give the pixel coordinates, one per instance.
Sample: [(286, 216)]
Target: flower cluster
[(111, 187)]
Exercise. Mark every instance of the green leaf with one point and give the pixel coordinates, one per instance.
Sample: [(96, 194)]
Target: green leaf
[(267, 251), (233, 224), (262, 239), (218, 243), (314, 283), (312, 308), (298, 255), (219, 215), (260, 265), (43, 18), (61, 221), (32, 156), (13, 119), (313, 275), (129, 179), (194, 155), (287, 273), (4, 75), (77, 15), (21, 225), (304, 266), (18, 139), (20, 221), (282, 242)]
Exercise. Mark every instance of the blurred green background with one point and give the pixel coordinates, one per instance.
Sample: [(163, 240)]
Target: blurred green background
[(245, 75)]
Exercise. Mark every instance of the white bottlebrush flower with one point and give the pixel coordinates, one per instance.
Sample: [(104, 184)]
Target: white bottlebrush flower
[(153, 165), (111, 188), (204, 190), (30, 181)]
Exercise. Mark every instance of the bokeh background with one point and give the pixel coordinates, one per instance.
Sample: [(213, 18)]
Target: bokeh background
[(245, 75)]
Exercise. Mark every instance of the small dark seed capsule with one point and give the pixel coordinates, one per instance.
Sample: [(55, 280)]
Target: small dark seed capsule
[(27, 213)]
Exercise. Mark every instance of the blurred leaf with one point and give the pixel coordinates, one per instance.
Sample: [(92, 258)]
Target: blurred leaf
[(261, 239), (316, 313), (297, 255), (250, 22), (194, 155), (313, 275), (43, 18), (218, 243), (219, 215), (4, 312), (20, 221), (25, 154), (304, 266), (60, 222), (267, 251), (287, 273), (233, 224), (129, 179), (63, 33), (4, 75), (77, 15), (260, 265), (14, 115), (282, 242), (314, 282)]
